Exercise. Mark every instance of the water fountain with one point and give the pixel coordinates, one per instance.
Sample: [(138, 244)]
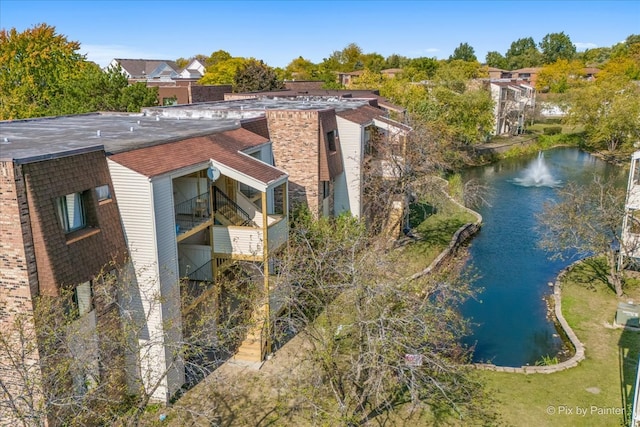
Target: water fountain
[(537, 175)]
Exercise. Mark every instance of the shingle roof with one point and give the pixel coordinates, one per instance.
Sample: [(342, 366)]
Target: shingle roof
[(361, 115), (224, 147), (141, 68)]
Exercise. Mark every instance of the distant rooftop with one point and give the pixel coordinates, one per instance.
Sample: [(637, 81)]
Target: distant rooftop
[(30, 140), (255, 107)]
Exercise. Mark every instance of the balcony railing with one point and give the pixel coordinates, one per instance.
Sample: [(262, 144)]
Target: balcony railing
[(192, 212), (230, 209)]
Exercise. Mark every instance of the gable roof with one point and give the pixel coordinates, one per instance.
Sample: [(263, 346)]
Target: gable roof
[(224, 147), (143, 68)]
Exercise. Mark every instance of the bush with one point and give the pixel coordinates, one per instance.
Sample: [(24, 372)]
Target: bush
[(552, 130)]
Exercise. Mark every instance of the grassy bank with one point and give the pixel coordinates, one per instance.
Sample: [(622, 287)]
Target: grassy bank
[(600, 388)]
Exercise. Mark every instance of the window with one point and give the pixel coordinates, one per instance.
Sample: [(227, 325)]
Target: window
[(83, 298), (103, 193), (331, 139), (173, 100), (71, 212), (326, 188)]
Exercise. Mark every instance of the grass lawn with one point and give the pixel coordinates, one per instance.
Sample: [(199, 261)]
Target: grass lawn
[(600, 387), (434, 222)]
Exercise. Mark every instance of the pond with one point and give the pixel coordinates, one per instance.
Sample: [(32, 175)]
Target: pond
[(511, 326)]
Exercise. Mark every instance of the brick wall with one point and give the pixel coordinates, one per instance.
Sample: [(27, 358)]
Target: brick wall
[(18, 278), (295, 138), (207, 93)]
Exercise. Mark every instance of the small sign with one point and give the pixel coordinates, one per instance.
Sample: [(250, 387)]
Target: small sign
[(413, 359)]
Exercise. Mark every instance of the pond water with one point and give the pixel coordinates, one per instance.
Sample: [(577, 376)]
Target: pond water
[(511, 327)]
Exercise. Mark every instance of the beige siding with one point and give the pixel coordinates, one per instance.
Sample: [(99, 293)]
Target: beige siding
[(241, 241), (347, 185), (135, 198)]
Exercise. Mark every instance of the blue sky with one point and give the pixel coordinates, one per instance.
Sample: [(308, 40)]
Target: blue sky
[(280, 31)]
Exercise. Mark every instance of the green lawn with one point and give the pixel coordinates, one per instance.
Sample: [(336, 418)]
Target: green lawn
[(434, 223), (599, 388)]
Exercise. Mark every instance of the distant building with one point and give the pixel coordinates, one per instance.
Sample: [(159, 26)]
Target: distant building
[(175, 85)]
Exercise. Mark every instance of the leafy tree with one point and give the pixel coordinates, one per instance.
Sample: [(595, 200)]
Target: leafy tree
[(69, 373), (422, 68), (396, 61), (380, 342), (523, 53), (35, 67), (182, 62), (373, 61), (555, 46), (456, 73), (464, 52), (496, 60), (367, 80), (609, 110), (217, 57), (44, 76), (594, 57), (256, 76), (584, 222), (559, 76), (301, 69), (223, 72), (347, 59)]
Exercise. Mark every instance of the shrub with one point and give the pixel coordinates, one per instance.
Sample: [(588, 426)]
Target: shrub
[(552, 130)]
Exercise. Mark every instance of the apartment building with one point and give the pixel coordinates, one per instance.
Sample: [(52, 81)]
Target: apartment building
[(173, 201)]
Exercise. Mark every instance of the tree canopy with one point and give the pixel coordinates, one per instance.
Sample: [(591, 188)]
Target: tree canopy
[(557, 46), (254, 76), (464, 52), (42, 74)]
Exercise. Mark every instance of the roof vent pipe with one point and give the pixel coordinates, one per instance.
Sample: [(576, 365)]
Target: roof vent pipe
[(98, 133)]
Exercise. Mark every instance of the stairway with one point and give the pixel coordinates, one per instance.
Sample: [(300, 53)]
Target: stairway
[(227, 216), (253, 348)]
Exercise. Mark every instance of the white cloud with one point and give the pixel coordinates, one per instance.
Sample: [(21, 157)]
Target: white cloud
[(103, 54), (584, 46)]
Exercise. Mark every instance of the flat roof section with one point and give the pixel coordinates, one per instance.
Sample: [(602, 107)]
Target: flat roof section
[(29, 140), (254, 107)]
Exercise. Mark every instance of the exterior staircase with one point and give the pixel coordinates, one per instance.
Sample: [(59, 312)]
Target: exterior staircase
[(254, 347)]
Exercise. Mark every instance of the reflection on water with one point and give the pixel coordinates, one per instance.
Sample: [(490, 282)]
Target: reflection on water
[(510, 314)]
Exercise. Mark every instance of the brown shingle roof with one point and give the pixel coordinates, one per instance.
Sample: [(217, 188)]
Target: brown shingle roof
[(361, 115), (223, 147)]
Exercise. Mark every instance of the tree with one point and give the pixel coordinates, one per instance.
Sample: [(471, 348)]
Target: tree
[(217, 57), (346, 60), (396, 61), (586, 221), (464, 52), (609, 110), (455, 74), (496, 60), (523, 53), (223, 72), (422, 68), (373, 62), (560, 76), (379, 342), (301, 69), (256, 76), (555, 46), (70, 370), (45, 76), (35, 66)]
